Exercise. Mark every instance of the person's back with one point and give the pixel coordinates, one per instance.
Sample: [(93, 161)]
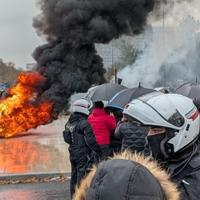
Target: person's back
[(127, 176), (82, 144), (103, 126), (132, 134), (77, 145)]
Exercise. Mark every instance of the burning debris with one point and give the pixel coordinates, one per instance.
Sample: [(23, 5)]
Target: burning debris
[(21, 109)]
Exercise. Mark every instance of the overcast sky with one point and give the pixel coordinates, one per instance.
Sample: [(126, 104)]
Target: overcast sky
[(18, 38)]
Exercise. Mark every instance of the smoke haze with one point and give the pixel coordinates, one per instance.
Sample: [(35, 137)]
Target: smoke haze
[(173, 48)]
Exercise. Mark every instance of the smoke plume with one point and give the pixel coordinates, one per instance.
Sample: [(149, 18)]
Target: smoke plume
[(173, 48), (69, 60), (183, 61)]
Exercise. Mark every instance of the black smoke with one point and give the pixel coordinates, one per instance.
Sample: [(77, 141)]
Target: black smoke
[(69, 60)]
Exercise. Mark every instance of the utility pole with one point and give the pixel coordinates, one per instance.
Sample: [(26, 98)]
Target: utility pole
[(163, 33), (115, 71), (113, 66)]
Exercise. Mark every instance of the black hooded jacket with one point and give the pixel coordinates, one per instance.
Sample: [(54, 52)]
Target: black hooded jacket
[(127, 176), (185, 172), (129, 183), (132, 135), (79, 135)]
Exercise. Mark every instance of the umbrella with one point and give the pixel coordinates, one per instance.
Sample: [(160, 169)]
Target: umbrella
[(164, 90), (191, 90), (125, 96), (103, 92)]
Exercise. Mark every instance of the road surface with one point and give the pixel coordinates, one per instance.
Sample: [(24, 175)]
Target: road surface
[(38, 191)]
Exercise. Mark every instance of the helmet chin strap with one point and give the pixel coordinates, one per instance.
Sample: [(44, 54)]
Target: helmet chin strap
[(168, 152), (184, 164), (163, 148), (167, 149)]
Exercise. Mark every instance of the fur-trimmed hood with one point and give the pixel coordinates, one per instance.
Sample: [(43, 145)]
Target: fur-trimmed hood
[(127, 176)]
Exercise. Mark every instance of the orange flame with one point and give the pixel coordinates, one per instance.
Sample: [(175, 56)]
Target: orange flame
[(19, 111)]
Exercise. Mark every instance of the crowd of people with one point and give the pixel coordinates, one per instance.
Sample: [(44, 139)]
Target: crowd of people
[(157, 148)]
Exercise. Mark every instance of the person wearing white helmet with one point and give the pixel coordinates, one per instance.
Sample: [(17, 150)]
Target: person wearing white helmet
[(173, 136), (82, 144)]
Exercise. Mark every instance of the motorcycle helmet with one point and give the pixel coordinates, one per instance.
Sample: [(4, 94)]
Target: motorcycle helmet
[(81, 106), (175, 112)]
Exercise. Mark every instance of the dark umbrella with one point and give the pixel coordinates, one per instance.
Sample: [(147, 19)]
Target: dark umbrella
[(104, 92), (191, 90), (124, 97)]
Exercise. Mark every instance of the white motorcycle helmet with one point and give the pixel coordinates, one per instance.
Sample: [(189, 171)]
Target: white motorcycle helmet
[(81, 106), (172, 111)]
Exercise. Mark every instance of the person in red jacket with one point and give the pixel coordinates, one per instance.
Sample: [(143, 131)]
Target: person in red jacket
[(103, 126)]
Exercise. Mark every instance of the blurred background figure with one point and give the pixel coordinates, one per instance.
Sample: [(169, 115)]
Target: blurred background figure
[(3, 88)]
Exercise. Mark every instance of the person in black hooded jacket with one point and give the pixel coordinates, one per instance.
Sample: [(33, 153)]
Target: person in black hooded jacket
[(127, 176), (83, 148)]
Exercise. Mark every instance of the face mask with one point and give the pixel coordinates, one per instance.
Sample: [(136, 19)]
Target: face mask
[(155, 145)]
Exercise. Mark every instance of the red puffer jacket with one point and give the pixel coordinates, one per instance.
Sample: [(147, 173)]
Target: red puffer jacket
[(103, 125)]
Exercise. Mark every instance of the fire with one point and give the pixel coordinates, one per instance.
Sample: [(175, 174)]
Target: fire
[(20, 110)]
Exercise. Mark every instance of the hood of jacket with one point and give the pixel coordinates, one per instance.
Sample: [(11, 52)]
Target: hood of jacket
[(127, 176), (76, 116)]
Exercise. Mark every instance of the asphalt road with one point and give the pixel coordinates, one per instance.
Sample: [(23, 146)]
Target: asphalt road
[(37, 191)]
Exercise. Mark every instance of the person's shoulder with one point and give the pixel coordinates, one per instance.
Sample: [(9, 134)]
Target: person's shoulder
[(90, 117), (84, 122), (108, 116)]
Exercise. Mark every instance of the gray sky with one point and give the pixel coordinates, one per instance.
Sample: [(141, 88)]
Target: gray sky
[(18, 38)]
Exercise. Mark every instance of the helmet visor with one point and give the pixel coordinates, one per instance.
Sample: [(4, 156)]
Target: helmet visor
[(176, 119)]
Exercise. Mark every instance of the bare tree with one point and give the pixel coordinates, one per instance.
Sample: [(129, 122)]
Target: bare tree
[(8, 72), (128, 55)]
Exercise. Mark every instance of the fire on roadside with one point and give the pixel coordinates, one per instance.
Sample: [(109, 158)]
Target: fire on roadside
[(21, 109)]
